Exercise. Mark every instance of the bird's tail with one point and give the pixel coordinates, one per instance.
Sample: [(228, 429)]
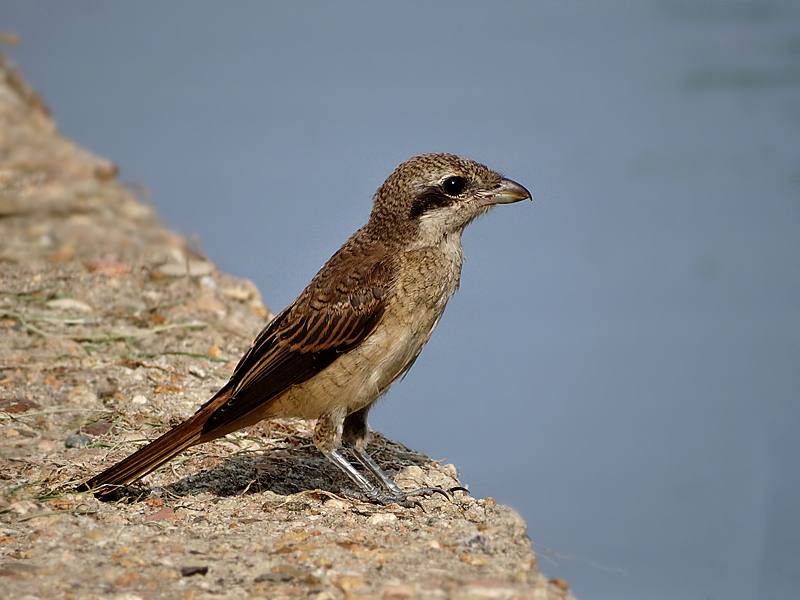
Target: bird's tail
[(144, 460)]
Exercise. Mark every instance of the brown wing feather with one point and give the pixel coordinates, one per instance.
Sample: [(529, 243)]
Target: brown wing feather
[(339, 308)]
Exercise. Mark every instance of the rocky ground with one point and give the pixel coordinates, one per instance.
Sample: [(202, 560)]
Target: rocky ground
[(112, 329)]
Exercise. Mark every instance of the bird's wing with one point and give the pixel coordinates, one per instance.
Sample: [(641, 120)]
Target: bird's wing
[(337, 310)]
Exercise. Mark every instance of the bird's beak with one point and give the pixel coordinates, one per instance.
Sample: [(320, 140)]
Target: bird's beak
[(507, 192)]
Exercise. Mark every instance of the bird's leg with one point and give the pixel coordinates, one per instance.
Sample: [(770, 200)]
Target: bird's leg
[(328, 436), (355, 433), (369, 489), (368, 462)]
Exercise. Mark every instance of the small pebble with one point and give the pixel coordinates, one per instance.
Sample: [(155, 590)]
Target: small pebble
[(477, 541), (77, 441), (17, 405), (197, 372), (69, 304), (189, 571), (274, 577), (382, 519), (346, 580)]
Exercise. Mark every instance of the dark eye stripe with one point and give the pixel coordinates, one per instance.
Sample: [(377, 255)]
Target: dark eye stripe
[(428, 200)]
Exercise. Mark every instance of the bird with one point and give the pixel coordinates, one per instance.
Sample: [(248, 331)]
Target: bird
[(355, 330)]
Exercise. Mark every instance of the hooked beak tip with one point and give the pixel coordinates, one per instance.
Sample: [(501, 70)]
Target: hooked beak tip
[(508, 192)]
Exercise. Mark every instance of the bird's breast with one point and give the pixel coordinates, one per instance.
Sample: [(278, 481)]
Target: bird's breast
[(426, 280)]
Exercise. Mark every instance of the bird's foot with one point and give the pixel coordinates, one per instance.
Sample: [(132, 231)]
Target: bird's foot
[(427, 491), (369, 491), (393, 494), (403, 498)]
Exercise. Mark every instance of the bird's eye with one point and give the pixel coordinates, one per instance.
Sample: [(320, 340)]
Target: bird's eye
[(453, 186)]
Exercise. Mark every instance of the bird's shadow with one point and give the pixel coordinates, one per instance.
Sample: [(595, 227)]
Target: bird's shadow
[(282, 471), (296, 466)]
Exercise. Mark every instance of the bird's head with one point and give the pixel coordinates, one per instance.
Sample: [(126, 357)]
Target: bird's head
[(440, 194)]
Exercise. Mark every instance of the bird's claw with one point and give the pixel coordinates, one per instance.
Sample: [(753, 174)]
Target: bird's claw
[(401, 498), (428, 491)]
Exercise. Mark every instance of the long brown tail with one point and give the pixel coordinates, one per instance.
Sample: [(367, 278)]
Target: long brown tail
[(143, 461), (156, 453)]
